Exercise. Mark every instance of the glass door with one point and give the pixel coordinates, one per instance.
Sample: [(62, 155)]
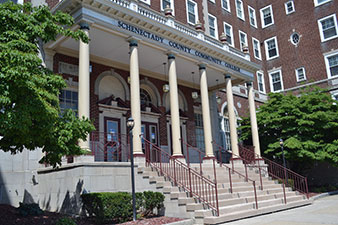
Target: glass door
[(112, 146)]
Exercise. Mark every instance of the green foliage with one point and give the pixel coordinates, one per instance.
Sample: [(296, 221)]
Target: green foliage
[(307, 123), (107, 207), (65, 221), (32, 209), (152, 200), (29, 104), (117, 207)]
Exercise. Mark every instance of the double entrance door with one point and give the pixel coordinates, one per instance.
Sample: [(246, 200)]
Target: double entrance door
[(115, 144)]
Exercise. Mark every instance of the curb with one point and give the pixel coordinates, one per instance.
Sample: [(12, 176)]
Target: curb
[(183, 222), (325, 195)]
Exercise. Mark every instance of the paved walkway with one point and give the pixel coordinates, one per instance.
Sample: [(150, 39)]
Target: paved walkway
[(322, 211)]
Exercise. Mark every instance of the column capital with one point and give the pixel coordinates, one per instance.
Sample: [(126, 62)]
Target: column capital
[(249, 84), (202, 66), (227, 76), (133, 43), (84, 25), (171, 56)]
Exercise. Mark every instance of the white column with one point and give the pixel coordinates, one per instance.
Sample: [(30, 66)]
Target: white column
[(49, 58), (232, 117), (174, 107), (135, 97), (253, 120), (206, 112), (84, 80)]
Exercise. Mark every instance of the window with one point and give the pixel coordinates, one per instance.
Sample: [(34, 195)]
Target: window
[(321, 2), (146, 1), (271, 48), (226, 5), (213, 26), (243, 40), (239, 9), (252, 16), (328, 27), (276, 82), (260, 82), (256, 48), (295, 38), (165, 3), (331, 62), (300, 74), (192, 12), (228, 33), (267, 16), (68, 100), (199, 131), (289, 7)]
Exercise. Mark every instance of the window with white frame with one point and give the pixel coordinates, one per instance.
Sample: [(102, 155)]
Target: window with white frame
[(267, 16), (289, 7), (239, 9), (192, 12), (260, 82), (300, 74), (199, 131), (321, 2), (271, 48), (256, 48), (146, 1), (229, 34), (213, 31), (169, 3), (276, 81), (68, 100), (328, 27), (331, 62), (243, 40), (226, 5), (252, 16)]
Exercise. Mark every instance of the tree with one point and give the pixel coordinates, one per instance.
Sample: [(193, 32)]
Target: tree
[(29, 106), (308, 124)]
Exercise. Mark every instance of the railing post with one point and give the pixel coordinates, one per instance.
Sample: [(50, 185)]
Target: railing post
[(307, 191), (254, 184), (246, 172), (216, 192), (174, 171), (284, 191), (230, 180)]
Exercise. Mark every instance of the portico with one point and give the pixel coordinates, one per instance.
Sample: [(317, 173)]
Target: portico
[(133, 52)]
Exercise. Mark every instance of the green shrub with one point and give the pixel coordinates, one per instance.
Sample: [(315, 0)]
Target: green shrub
[(152, 200), (65, 221), (108, 207), (117, 207), (32, 209)]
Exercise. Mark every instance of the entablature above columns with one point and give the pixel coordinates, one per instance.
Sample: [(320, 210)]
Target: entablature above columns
[(117, 17)]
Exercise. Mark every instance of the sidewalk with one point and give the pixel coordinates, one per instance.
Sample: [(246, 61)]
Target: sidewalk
[(323, 211)]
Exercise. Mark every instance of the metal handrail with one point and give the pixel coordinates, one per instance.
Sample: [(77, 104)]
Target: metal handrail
[(245, 162), (230, 171), (182, 175), (280, 172), (104, 143)]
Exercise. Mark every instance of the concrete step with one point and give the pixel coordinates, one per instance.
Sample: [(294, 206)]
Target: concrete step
[(253, 212)]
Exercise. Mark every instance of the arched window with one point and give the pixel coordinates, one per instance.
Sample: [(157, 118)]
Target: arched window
[(145, 97)]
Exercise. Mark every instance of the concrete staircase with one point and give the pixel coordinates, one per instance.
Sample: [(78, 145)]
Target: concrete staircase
[(232, 206)]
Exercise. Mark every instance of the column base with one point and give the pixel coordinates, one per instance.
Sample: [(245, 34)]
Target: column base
[(208, 161), (140, 159), (238, 162), (180, 158)]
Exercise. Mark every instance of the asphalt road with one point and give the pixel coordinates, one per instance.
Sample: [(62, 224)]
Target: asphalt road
[(322, 211)]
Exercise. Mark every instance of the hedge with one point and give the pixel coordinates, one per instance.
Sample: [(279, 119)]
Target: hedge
[(117, 207)]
